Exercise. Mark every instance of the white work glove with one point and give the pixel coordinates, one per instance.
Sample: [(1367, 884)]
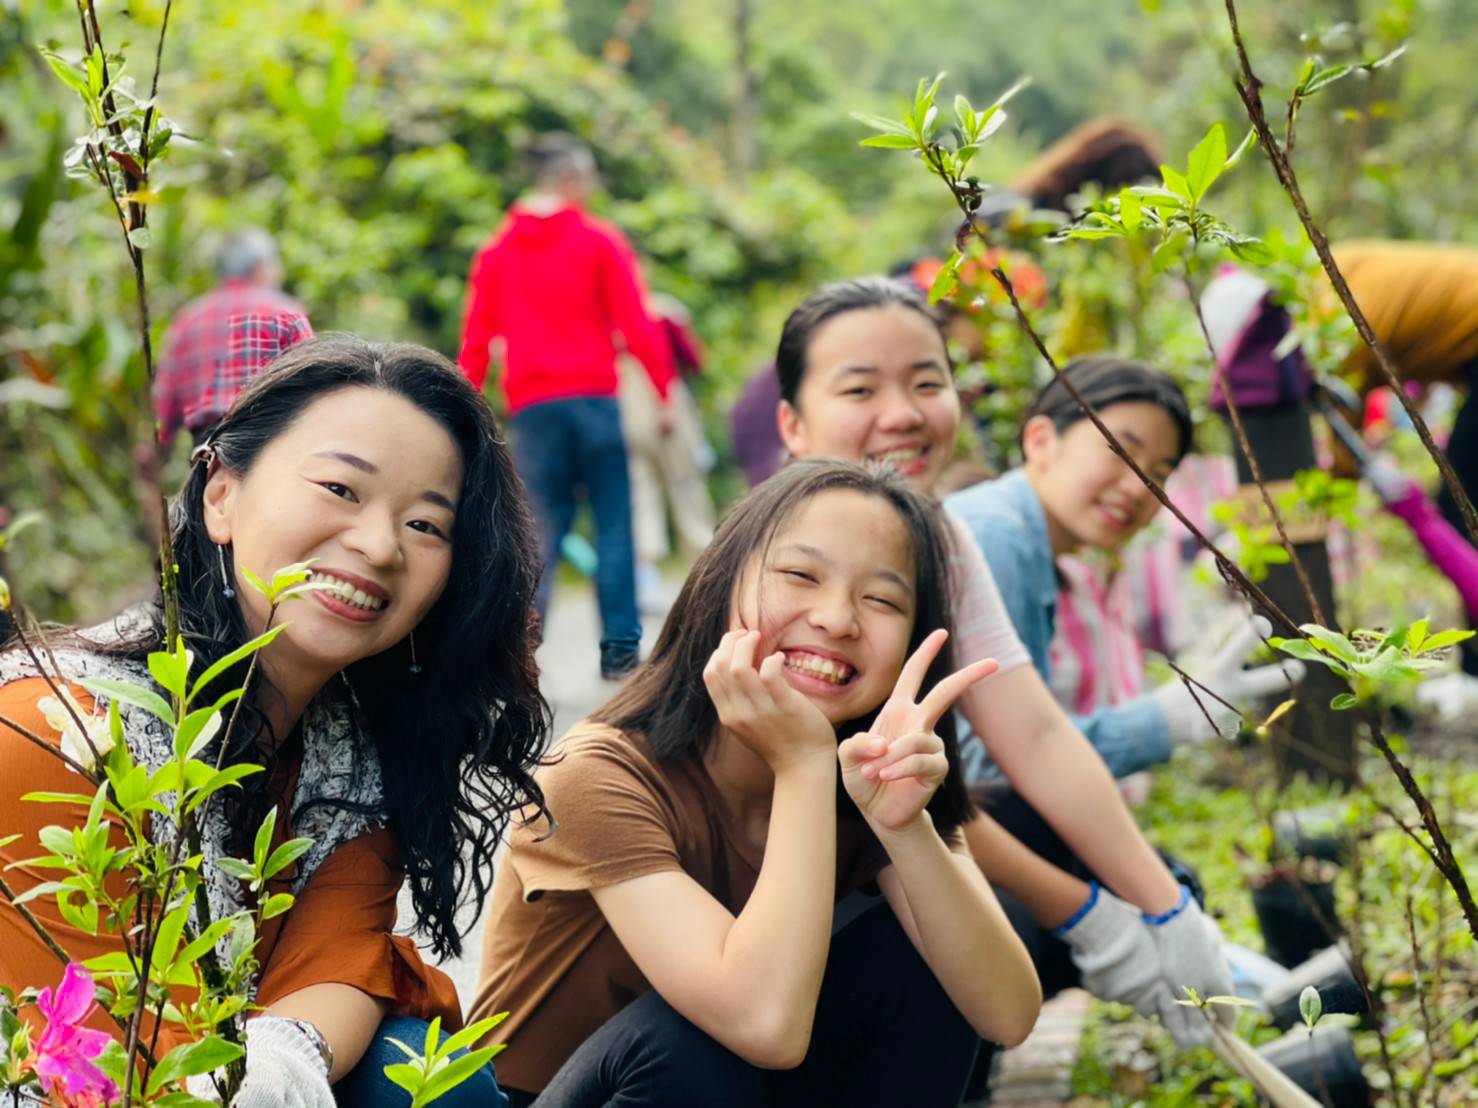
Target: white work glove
[(284, 1069), (1115, 952), (1189, 946), (1187, 714)]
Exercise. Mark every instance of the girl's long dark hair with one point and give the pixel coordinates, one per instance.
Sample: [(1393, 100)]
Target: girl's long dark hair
[(457, 741), (666, 701)]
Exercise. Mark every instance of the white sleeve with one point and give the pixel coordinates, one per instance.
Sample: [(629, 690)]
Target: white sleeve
[(983, 627)]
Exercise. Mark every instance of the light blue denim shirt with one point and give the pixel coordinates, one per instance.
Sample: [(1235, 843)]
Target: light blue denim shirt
[(1007, 520)]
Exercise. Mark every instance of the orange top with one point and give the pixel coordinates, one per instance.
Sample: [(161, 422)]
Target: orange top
[(337, 932)]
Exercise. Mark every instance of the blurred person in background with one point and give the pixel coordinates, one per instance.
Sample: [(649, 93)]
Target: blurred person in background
[(553, 288), (219, 341), (667, 470)]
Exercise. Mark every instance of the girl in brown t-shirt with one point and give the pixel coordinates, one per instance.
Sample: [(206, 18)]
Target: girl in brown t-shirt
[(691, 922)]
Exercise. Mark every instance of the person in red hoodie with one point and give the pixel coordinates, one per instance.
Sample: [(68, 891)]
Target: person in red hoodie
[(552, 291)]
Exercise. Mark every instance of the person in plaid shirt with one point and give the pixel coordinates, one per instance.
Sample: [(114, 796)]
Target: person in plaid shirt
[(220, 340)]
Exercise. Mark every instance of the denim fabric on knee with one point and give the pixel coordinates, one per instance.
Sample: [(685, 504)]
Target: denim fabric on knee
[(366, 1086)]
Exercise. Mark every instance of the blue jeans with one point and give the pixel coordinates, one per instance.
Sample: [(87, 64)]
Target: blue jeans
[(366, 1086), (561, 447)]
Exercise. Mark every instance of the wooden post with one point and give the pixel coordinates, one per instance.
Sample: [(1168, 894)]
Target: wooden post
[(1324, 740)]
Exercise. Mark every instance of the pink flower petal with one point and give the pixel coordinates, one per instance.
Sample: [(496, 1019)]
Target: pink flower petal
[(73, 999)]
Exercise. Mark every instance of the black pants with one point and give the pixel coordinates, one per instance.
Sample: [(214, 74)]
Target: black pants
[(885, 1033), (1462, 452)]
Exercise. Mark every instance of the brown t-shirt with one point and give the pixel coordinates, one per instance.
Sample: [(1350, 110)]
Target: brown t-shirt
[(549, 958)]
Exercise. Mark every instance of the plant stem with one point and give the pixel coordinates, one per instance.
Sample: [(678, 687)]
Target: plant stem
[(1441, 849), (1249, 88)]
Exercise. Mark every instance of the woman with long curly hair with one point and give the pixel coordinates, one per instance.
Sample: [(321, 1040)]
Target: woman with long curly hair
[(398, 711)]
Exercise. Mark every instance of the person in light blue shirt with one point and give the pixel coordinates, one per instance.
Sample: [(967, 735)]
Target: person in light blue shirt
[(1073, 492)]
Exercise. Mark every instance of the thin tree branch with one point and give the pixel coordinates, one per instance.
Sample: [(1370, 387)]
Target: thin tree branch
[(1249, 88), (1245, 445)]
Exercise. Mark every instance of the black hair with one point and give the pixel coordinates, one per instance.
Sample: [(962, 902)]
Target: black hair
[(458, 741), (833, 300), (1105, 380), (666, 700)]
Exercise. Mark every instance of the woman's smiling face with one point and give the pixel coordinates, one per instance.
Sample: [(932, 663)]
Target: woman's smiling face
[(365, 484), (877, 386), (834, 592)]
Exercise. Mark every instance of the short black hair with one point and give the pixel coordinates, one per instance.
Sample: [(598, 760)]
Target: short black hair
[(833, 300), (1106, 379)]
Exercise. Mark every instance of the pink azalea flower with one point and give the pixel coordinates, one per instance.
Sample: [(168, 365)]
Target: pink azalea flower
[(64, 1053)]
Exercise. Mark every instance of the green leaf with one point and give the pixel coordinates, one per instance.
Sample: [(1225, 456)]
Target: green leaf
[(1248, 140), (1326, 77), (1176, 183), (1001, 100), (276, 904), (228, 661), (947, 279), (206, 940), (471, 1033), (1444, 639), (407, 1076), (167, 938), (235, 867), (218, 781), (257, 583), (1310, 1006), (1344, 701), (130, 693), (1382, 62), (1331, 641), (264, 837), (66, 72), (891, 142), (187, 1059), (454, 1073), (881, 123), (196, 731), (1207, 161), (165, 666), (965, 114), (285, 855), (1131, 210), (141, 237)]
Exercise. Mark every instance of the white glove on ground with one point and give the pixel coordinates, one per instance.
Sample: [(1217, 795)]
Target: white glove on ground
[(1223, 674), (1189, 946), (284, 1069), (1114, 950)]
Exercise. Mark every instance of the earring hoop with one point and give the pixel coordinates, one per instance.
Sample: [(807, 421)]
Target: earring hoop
[(415, 666), (226, 590)]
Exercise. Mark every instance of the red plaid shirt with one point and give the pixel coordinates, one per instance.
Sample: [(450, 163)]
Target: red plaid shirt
[(215, 345)]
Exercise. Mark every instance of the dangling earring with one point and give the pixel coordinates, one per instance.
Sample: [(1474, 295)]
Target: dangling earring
[(415, 666), (226, 590)]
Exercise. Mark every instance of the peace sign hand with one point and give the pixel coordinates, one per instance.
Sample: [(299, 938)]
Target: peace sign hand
[(892, 772)]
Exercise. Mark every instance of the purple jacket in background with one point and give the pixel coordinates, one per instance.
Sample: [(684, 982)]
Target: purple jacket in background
[(754, 429)]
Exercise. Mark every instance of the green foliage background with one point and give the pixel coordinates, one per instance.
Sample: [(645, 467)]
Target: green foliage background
[(380, 142)]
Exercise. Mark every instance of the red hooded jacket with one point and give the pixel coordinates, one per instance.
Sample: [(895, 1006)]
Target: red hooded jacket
[(557, 287)]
